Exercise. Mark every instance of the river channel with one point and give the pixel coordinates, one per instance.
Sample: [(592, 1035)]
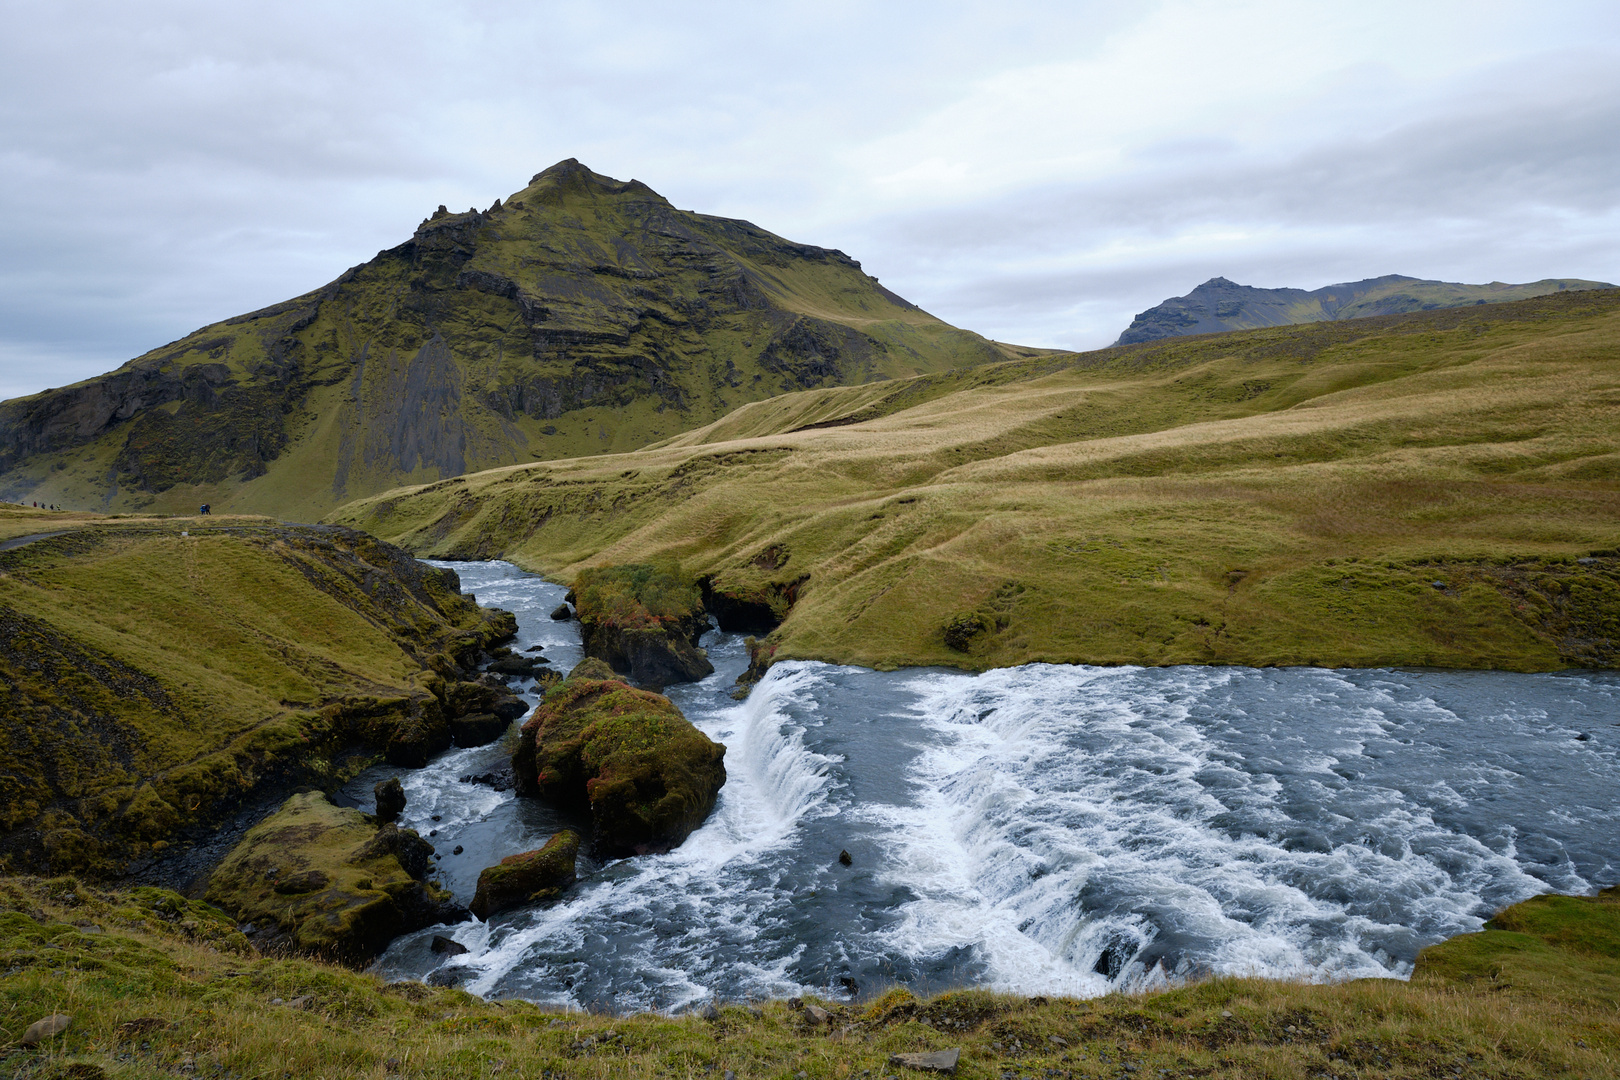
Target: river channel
[(1044, 829)]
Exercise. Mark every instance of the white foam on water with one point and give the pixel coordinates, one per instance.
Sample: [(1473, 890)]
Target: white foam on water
[(672, 915), (1070, 822), (436, 791)]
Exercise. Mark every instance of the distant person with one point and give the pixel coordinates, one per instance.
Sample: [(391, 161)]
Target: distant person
[(204, 509)]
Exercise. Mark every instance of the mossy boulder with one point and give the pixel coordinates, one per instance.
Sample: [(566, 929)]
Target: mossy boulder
[(592, 668), (531, 876), (329, 882), (643, 621), (647, 776)]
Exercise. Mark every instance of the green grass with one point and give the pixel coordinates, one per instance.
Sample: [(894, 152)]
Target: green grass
[(1440, 488), (149, 679), (157, 985)]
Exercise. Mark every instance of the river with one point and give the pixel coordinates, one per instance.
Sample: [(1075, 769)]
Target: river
[(1043, 829)]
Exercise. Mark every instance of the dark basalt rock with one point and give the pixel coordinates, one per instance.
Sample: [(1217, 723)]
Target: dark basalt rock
[(529, 877), (645, 774), (480, 729), (447, 946), (509, 708), (562, 613), (390, 799), (522, 666), (643, 621)]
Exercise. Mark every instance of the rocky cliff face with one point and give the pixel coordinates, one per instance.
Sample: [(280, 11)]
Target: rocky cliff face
[(1219, 304), (581, 315)]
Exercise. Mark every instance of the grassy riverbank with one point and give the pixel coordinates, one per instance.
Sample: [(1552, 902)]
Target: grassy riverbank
[(156, 672), (158, 986), (1441, 489)]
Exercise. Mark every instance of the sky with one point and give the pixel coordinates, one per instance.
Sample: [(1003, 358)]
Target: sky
[(1036, 172)]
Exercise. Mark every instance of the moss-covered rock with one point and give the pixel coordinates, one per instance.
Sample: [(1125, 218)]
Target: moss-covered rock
[(592, 668), (644, 621), (647, 776), (155, 676), (531, 876), (330, 882)]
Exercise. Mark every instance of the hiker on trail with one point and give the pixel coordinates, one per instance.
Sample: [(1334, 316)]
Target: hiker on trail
[(204, 509)]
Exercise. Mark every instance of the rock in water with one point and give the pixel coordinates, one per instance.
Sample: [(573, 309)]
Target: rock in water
[(940, 1061), (390, 799), (531, 876), (46, 1028), (448, 946), (845, 859), (643, 620), (479, 729), (329, 881), (562, 613), (647, 776)]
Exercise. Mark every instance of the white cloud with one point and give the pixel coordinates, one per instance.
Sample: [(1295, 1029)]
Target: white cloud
[(1038, 172)]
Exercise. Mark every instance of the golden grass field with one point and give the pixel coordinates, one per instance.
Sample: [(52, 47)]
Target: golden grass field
[(1403, 490)]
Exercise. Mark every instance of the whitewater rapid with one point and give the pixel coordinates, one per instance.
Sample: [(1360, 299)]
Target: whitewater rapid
[(1043, 829)]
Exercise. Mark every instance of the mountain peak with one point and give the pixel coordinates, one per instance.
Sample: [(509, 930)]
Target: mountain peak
[(582, 314), (1221, 304)]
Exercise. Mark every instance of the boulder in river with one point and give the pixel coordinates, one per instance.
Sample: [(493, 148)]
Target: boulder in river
[(521, 666), (478, 729), (390, 799), (647, 776), (644, 621), (529, 877), (330, 882), (562, 613)]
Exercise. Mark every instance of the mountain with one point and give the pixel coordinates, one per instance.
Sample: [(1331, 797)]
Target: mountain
[(1218, 304), (582, 314), (1438, 488)]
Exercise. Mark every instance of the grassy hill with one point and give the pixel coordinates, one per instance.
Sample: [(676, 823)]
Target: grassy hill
[(1218, 304), (156, 675), (1438, 488), (157, 986), (580, 315)]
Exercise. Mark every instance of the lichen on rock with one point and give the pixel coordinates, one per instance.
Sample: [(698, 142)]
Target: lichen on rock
[(529, 877), (644, 621), (646, 775), (329, 882)]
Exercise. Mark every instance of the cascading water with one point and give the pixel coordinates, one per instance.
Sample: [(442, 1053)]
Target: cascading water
[(1045, 829)]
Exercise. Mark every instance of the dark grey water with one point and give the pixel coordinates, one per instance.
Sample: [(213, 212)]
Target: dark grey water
[(1047, 829)]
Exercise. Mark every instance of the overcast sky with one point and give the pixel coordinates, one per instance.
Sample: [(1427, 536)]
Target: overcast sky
[(1038, 172)]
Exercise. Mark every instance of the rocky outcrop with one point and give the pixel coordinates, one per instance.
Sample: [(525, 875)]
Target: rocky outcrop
[(527, 878), (390, 796), (643, 621), (266, 658), (628, 756), (324, 880), (751, 608), (479, 729)]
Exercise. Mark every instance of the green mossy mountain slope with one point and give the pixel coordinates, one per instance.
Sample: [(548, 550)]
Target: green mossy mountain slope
[(1218, 304), (1438, 488), (581, 315), (152, 682)]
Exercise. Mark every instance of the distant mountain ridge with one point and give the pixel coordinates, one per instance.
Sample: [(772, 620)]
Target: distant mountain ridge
[(582, 314), (1220, 304)]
